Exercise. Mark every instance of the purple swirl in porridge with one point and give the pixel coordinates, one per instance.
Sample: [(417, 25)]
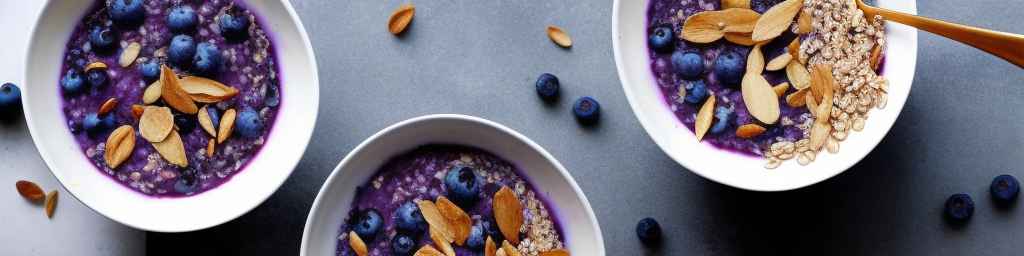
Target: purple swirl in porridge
[(170, 98)]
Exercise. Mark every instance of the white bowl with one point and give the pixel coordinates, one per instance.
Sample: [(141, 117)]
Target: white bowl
[(629, 40), (582, 234), (246, 189)]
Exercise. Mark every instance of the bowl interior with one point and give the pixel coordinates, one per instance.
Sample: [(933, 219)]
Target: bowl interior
[(629, 38), (332, 204), (267, 171)]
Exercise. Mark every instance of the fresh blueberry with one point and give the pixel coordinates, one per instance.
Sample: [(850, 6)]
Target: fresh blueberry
[(688, 65), (271, 96), (127, 13), (249, 124), (234, 25), (729, 67), (724, 116), (649, 231), (10, 100), (697, 92), (402, 244), (207, 59), (959, 207), (463, 185), (102, 39), (476, 237), (186, 181), (662, 38), (182, 19), (97, 77), (150, 70), (94, 124), (214, 116), (72, 82), (1004, 189), (547, 87), (181, 50), (185, 123), (409, 219), (586, 109), (366, 223)]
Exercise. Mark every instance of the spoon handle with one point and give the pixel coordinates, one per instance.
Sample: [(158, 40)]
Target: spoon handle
[(1008, 46)]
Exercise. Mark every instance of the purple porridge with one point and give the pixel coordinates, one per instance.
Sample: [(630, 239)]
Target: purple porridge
[(386, 213), (221, 108)]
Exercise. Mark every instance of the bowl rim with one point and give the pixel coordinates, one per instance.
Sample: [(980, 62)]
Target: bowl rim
[(336, 173), (44, 155)]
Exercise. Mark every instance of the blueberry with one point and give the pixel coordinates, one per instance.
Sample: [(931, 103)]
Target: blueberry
[(729, 67), (366, 223), (586, 110), (97, 77), (150, 70), (214, 116), (102, 39), (662, 38), (724, 116), (181, 50), (688, 65), (127, 13), (207, 59), (186, 182), (476, 237), (185, 123), (649, 231), (547, 87), (271, 96), (10, 100), (1004, 189), (182, 19), (696, 93), (959, 207), (402, 245), (234, 25), (94, 124), (249, 124), (72, 82), (463, 185), (409, 219)]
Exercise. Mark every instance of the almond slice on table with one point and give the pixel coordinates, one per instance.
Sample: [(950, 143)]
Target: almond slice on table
[(726, 4), (803, 23), (798, 75), (401, 18), (760, 99), (29, 190), (508, 213), (704, 117), (755, 60), (458, 220), (206, 90), (129, 54), (555, 252), (428, 250), (357, 244), (107, 106), (559, 36), (156, 123), (51, 203), (776, 20), (441, 242), (152, 93), (797, 99), (206, 122), (740, 38), (227, 124), (780, 89), (779, 62), (434, 219), (173, 95), (509, 249), (747, 131), (489, 247), (119, 146), (172, 150)]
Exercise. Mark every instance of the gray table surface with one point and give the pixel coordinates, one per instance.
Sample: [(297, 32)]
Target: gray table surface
[(958, 130)]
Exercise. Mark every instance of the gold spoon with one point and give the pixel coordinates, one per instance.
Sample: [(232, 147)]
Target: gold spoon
[(1008, 46)]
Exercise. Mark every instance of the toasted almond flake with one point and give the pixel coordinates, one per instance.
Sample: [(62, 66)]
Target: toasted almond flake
[(780, 62), (740, 38), (129, 54), (819, 134), (489, 247), (119, 146), (107, 106), (210, 147), (821, 81), (776, 20), (458, 220), (703, 27), (508, 213), (173, 94), (726, 4), (441, 242), (803, 22), (206, 122), (156, 123), (137, 111), (172, 150), (357, 244), (760, 99), (747, 131), (500, 252), (780, 89), (51, 203), (739, 20), (555, 252), (794, 48), (559, 36), (400, 18), (755, 61), (509, 249), (434, 219), (29, 190), (95, 65), (428, 250), (797, 99), (876, 57), (798, 75), (152, 93), (704, 117), (206, 90), (812, 104), (227, 124)]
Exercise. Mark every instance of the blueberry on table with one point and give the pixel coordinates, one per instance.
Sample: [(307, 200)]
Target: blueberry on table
[(724, 118), (72, 82), (696, 93), (729, 67), (959, 208), (182, 19), (249, 124), (1004, 189), (150, 70), (463, 185), (10, 100), (102, 39), (649, 231), (547, 87), (662, 38), (586, 110), (185, 123), (181, 51), (127, 13), (366, 223), (402, 244), (409, 219), (476, 237), (234, 25), (688, 65), (97, 77)]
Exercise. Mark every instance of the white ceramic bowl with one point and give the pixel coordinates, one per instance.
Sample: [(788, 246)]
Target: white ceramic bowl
[(245, 190), (629, 40), (582, 234)]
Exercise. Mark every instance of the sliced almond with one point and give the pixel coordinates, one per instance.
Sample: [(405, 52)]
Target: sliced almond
[(172, 150), (780, 89), (458, 220), (51, 203), (119, 146), (107, 106), (803, 23), (760, 99), (555, 252), (876, 57), (137, 111), (509, 249), (726, 4), (206, 122), (95, 65), (401, 18), (821, 80), (129, 54), (755, 61), (703, 27), (798, 75), (156, 123), (489, 247), (441, 242), (29, 190), (794, 48), (812, 104), (357, 244), (704, 117), (428, 250), (776, 20), (173, 95), (434, 219), (500, 252), (210, 147), (227, 124), (206, 90), (152, 93), (780, 62), (739, 20), (819, 134), (508, 213), (740, 38), (559, 36), (797, 99), (747, 131)]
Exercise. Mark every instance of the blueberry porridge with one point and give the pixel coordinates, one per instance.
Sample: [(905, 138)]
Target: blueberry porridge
[(170, 98), (448, 200), (768, 78)]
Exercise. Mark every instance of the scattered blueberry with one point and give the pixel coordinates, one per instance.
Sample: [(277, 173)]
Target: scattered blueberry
[(729, 67), (724, 115), (688, 65), (463, 185), (127, 13), (97, 77), (1004, 189), (249, 124), (182, 19), (72, 82), (207, 59), (10, 100), (234, 25), (367, 223), (409, 219), (185, 123), (547, 87), (586, 109), (93, 123), (181, 50), (214, 116), (402, 244), (476, 238), (662, 38), (186, 182), (697, 92), (959, 207), (102, 39), (649, 231), (150, 70)]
